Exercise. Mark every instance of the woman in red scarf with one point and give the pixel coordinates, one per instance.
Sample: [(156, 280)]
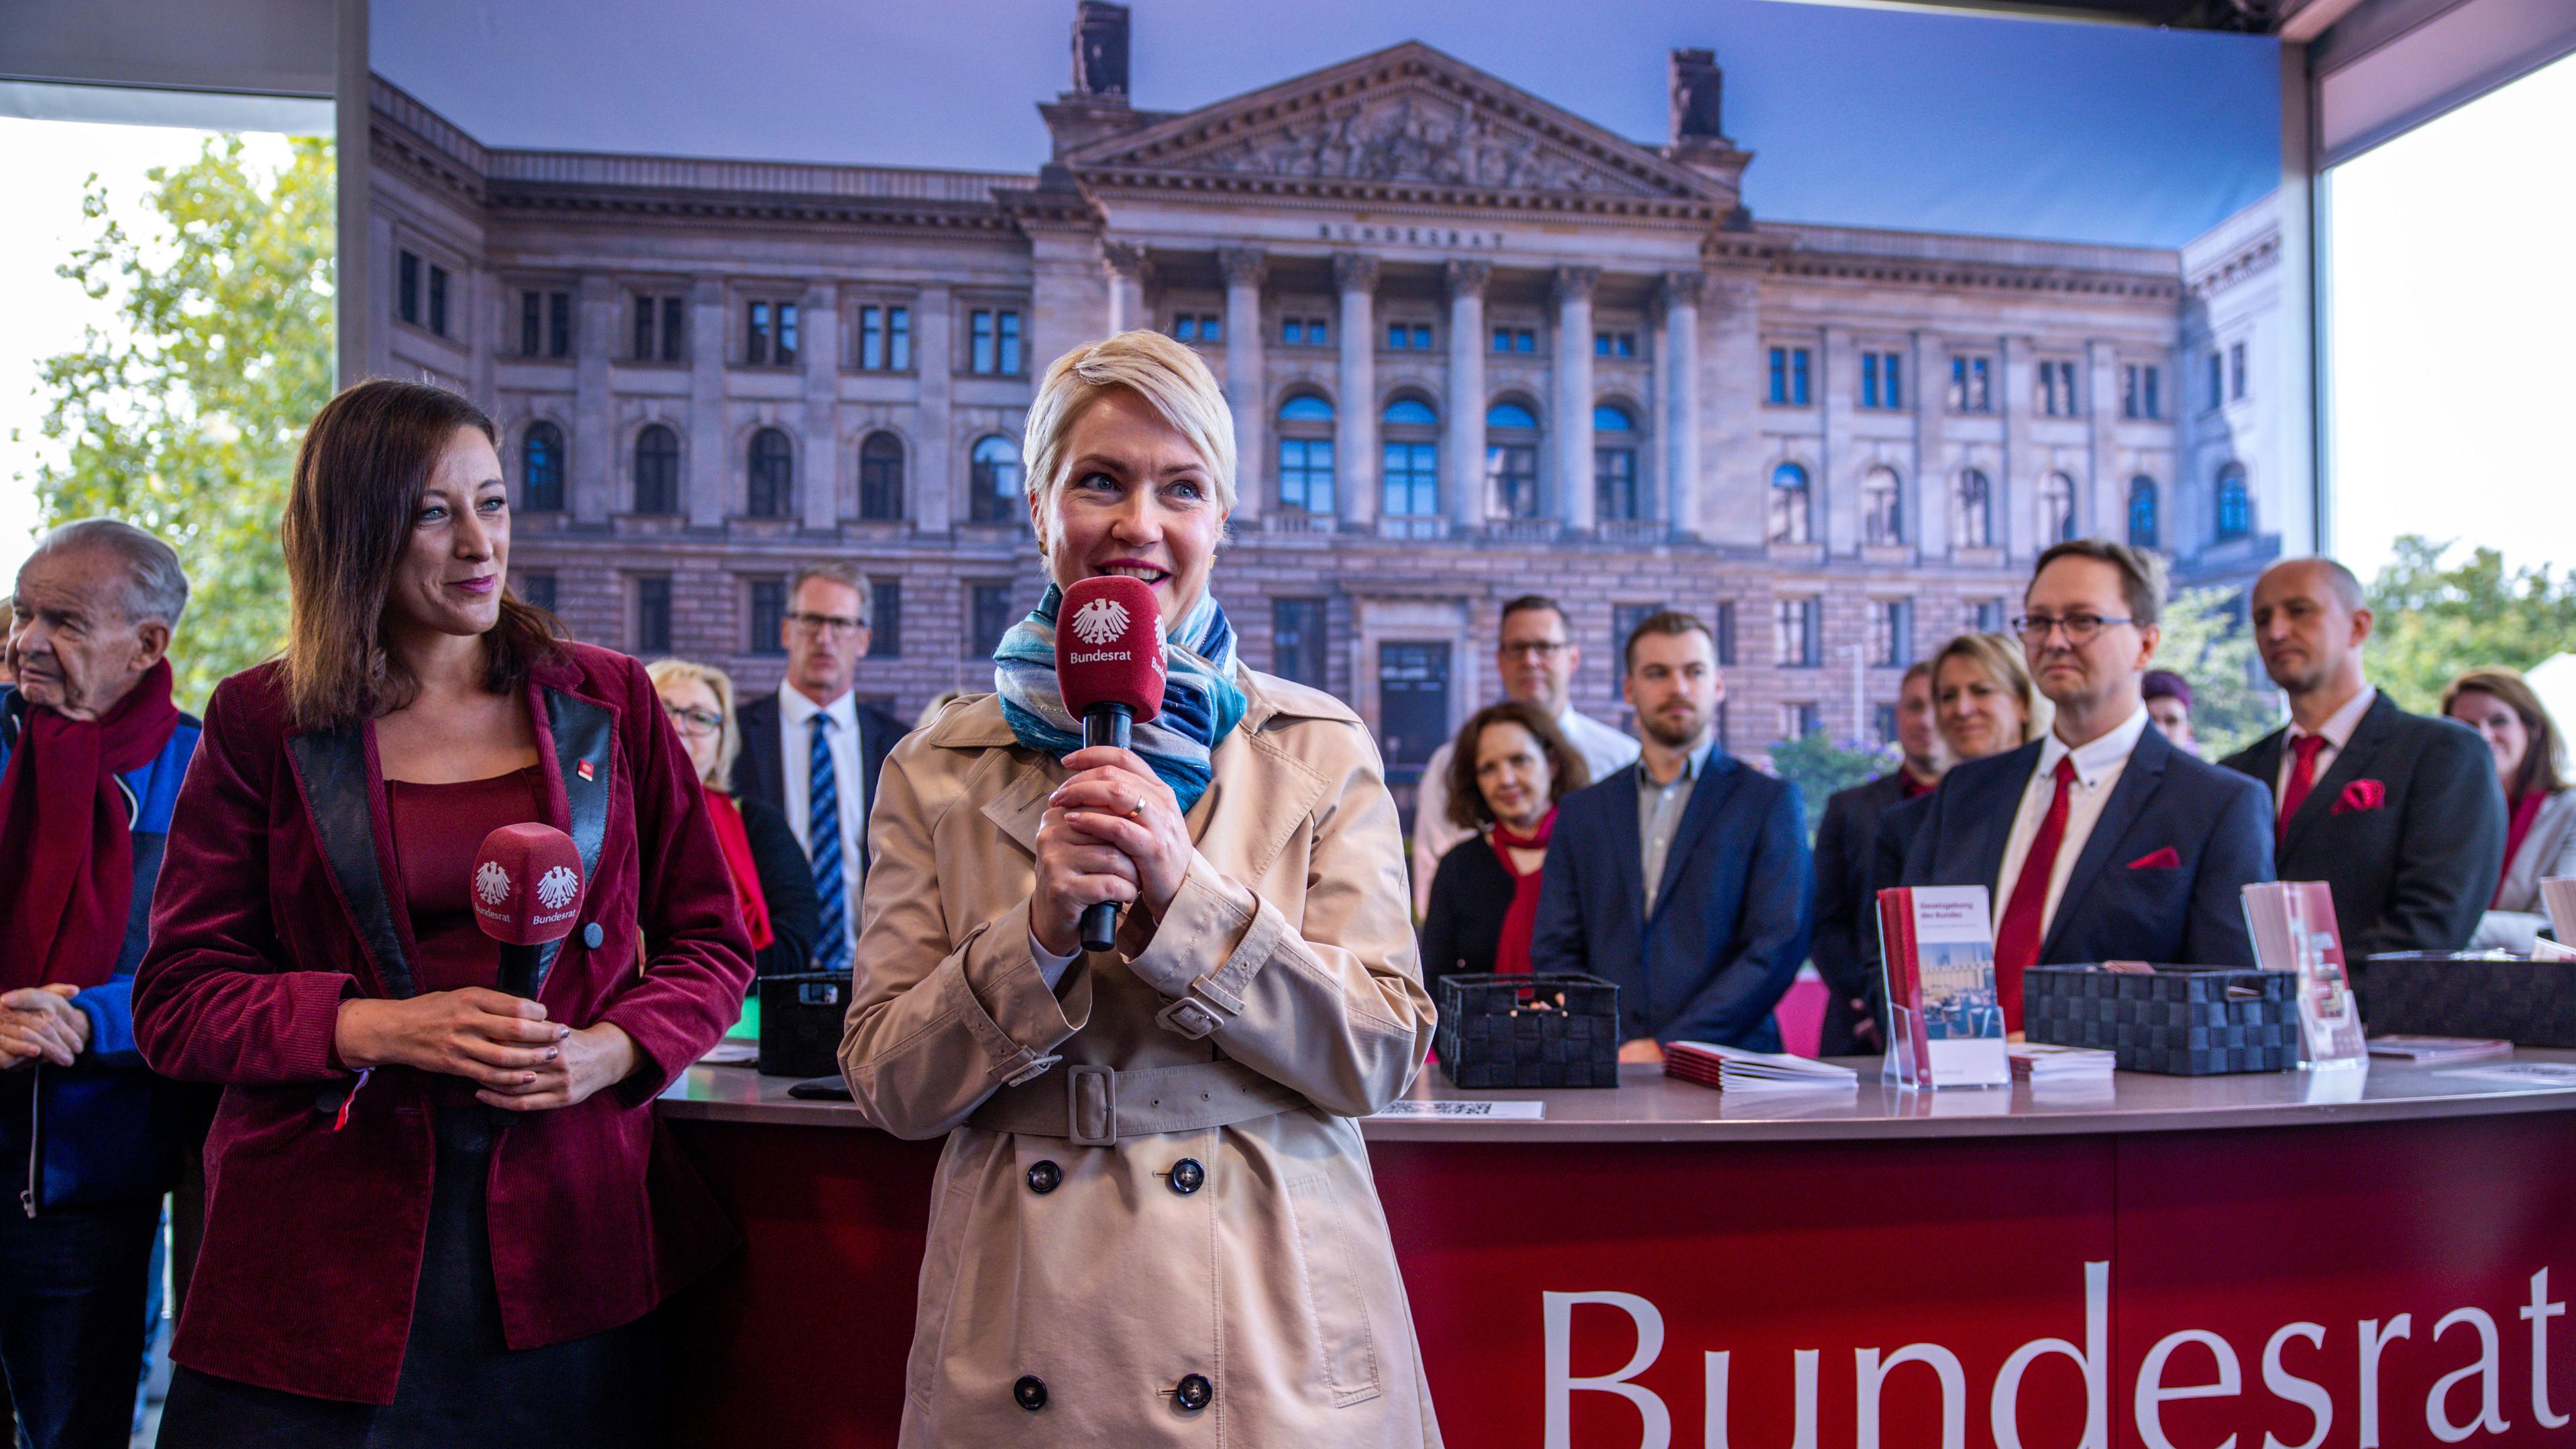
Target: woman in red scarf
[(771, 881), (1508, 771)]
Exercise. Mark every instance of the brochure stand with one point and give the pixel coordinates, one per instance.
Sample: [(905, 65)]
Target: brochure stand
[(2293, 924), (1947, 1024)]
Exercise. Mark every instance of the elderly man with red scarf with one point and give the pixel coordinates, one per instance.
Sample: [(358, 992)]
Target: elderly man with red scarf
[(91, 755)]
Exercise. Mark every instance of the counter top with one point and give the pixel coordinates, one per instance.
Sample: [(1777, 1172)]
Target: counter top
[(1648, 1106)]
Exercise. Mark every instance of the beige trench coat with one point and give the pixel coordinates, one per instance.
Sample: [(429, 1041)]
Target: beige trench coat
[(1252, 1255)]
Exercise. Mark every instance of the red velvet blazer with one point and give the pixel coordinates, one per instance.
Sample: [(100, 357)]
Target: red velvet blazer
[(275, 905)]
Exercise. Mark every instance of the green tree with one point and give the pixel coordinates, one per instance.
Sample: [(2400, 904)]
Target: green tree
[(2433, 622), (2206, 642), (1819, 768), (185, 418)]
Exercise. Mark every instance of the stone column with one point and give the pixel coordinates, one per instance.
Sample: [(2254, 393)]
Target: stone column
[(1678, 352), (932, 484), (2103, 511), (818, 486), (1573, 421), (1128, 273), (1244, 269), (702, 484), (2016, 494), (1355, 441), (596, 471), (1837, 399), (1935, 482), (1463, 439)]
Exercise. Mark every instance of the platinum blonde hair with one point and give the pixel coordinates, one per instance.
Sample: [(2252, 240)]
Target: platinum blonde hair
[(156, 587), (1165, 374), (720, 684)]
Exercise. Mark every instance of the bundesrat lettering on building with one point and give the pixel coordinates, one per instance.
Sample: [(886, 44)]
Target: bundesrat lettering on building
[(2152, 1391)]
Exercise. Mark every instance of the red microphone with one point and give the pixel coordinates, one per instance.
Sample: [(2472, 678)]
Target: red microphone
[(1109, 664), (527, 891)]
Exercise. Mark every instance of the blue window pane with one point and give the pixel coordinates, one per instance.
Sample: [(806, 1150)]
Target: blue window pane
[(1608, 419), (1292, 332), (1422, 339), (1410, 411), (1186, 328), (1410, 480), (1509, 415), (1397, 335), (1306, 408)]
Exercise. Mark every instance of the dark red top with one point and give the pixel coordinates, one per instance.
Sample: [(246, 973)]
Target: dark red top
[(313, 1235), (437, 831)]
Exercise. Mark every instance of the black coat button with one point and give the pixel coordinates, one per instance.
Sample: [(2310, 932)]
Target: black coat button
[(1187, 1176), (1193, 1392), (1043, 1177), (1030, 1391), (591, 935)]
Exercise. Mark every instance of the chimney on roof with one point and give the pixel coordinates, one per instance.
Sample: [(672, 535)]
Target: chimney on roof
[(1100, 50), (1697, 88)]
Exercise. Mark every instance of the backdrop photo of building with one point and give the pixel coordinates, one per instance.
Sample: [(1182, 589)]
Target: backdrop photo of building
[(1476, 346)]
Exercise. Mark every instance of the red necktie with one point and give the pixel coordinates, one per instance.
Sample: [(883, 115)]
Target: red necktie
[(2303, 778), (2017, 940)]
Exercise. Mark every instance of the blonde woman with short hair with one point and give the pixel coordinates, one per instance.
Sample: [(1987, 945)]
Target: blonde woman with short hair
[(771, 883), (1154, 1220)]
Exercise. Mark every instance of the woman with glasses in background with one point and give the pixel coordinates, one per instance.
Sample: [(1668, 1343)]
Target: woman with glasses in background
[(770, 879)]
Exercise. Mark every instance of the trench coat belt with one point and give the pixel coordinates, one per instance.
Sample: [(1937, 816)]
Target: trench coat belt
[(1096, 1106)]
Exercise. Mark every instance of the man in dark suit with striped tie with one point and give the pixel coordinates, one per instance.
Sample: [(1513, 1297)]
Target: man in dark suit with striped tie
[(812, 751)]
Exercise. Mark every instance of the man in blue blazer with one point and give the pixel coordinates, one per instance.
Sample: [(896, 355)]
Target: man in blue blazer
[(2101, 841), (1683, 878)]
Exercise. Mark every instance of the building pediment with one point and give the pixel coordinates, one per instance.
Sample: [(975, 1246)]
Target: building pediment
[(1407, 125)]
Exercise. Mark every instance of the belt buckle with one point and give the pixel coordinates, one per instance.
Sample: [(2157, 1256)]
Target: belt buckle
[(1078, 1089)]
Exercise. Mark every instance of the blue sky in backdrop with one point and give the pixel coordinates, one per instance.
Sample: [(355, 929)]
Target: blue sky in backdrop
[(1858, 116)]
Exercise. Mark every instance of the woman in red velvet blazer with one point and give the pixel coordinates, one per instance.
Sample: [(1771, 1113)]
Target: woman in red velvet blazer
[(436, 1213)]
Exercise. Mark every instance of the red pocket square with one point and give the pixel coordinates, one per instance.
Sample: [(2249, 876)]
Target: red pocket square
[(2164, 859), (2360, 795)]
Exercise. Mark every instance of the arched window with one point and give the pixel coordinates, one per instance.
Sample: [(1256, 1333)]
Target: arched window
[(996, 481), (2056, 509), (773, 474), (1306, 455), (881, 478), (541, 469), (1511, 460), (1614, 466), (2145, 530), (657, 470), (1973, 524), (1882, 508), (1409, 472), (1789, 504), (2235, 504)]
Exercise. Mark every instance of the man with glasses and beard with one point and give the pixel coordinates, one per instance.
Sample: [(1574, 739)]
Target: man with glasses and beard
[(1683, 878), (2101, 841), (812, 751)]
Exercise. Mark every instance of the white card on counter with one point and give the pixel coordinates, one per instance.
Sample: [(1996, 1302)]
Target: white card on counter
[(2517, 1074), (1490, 1111)]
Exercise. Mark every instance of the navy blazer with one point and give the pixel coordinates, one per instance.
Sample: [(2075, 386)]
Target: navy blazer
[(1846, 936), (2415, 871), (760, 771), (1731, 915), (2121, 903)]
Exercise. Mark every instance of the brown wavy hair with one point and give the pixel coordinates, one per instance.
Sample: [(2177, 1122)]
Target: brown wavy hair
[(1566, 770), (359, 477), (2544, 759)]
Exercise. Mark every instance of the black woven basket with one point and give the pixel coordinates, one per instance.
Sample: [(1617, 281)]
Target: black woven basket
[(2431, 993), (800, 1023), (1489, 1038), (2178, 1020)]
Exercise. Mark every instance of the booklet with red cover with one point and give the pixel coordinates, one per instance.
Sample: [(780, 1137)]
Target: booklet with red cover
[(1947, 1023)]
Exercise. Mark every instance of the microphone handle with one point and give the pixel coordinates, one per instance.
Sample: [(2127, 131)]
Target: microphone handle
[(519, 970), (1112, 725)]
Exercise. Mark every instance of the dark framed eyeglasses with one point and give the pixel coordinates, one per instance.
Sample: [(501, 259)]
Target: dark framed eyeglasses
[(823, 623), (699, 722), (1537, 648), (2081, 629)]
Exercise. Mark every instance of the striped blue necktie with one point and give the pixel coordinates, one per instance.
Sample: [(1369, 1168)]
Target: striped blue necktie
[(823, 845)]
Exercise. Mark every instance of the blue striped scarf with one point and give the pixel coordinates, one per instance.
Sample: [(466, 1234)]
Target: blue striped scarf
[(1201, 704)]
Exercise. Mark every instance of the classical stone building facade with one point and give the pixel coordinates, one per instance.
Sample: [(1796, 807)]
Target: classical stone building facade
[(1476, 346)]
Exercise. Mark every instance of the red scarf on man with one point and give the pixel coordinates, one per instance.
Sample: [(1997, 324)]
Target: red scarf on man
[(1512, 952), (67, 841), (735, 842)]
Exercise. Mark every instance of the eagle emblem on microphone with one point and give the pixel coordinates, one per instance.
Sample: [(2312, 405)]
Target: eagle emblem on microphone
[(492, 882), (556, 887), (1101, 620)]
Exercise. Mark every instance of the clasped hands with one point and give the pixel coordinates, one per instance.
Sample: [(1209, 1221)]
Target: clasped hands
[(40, 1024), (517, 1060), (1112, 832)]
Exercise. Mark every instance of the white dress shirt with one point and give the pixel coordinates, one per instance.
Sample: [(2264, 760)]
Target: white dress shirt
[(1604, 750), (2097, 773), (2337, 733), (795, 757)]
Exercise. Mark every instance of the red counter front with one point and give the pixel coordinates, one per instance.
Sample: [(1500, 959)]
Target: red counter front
[(2264, 1258)]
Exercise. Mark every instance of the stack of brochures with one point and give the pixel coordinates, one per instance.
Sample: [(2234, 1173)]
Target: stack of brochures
[(2040, 1063), (2438, 1051), (1733, 1069)]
